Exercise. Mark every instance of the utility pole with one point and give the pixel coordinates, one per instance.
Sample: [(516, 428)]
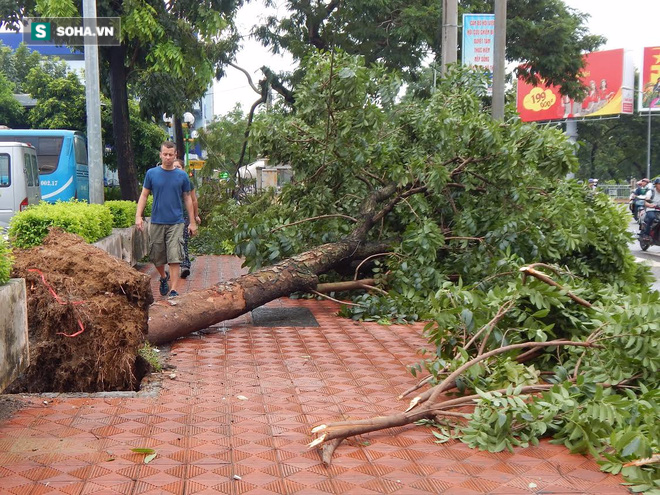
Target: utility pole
[(449, 33), (499, 64), (648, 145), (93, 103)]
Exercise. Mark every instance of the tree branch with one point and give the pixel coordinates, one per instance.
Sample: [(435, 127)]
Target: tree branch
[(334, 215), (247, 75), (544, 278)]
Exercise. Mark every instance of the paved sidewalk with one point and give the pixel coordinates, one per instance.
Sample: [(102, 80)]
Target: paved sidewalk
[(236, 420)]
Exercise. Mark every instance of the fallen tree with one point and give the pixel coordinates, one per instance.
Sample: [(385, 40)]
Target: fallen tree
[(566, 350)]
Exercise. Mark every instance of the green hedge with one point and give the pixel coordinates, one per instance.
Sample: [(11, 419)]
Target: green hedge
[(5, 261), (90, 221), (123, 212)]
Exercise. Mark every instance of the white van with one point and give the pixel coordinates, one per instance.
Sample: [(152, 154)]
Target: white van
[(19, 180)]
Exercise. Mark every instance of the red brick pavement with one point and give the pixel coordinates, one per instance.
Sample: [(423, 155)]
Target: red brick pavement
[(236, 420)]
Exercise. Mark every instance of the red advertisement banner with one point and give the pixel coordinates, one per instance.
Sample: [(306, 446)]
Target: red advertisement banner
[(650, 79), (604, 77)]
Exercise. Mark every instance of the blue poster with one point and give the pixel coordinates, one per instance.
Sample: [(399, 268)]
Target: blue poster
[(478, 40)]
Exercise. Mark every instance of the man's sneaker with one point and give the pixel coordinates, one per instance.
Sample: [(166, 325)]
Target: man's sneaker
[(173, 293), (164, 286), (185, 272)]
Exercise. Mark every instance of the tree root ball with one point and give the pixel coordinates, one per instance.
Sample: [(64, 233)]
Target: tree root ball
[(87, 317)]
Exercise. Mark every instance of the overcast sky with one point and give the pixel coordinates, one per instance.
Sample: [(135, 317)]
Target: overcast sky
[(234, 87), (630, 24)]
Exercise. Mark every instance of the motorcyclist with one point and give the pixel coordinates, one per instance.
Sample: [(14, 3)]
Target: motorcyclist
[(652, 203), (638, 196)]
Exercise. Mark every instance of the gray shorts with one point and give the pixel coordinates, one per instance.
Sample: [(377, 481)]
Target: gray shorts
[(165, 243)]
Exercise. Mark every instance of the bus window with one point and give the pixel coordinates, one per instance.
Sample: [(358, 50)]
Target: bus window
[(5, 180), (48, 149), (80, 150)]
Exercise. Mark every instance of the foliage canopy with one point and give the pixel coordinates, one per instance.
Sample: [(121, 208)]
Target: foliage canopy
[(401, 34)]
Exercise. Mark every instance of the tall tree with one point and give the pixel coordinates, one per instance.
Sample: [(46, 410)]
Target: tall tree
[(616, 149), (16, 64), (223, 139), (60, 101), (61, 104), (168, 55), (186, 40), (11, 112), (401, 34)]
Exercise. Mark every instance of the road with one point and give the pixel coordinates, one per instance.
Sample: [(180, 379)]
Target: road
[(651, 257)]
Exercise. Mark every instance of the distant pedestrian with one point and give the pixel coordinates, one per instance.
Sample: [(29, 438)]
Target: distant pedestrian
[(168, 186), (185, 264)]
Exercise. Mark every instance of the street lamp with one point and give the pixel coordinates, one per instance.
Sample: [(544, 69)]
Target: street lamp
[(168, 123), (188, 120)]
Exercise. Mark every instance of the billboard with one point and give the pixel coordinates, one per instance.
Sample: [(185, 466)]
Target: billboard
[(478, 40), (649, 96), (609, 77)]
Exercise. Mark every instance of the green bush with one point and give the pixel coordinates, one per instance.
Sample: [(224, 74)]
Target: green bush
[(5, 261), (147, 209), (123, 213), (111, 193), (90, 221)]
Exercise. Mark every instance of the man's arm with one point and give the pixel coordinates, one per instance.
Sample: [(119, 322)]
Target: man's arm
[(187, 200), (142, 203)]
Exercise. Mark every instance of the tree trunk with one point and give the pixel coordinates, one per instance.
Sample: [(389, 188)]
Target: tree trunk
[(178, 138), (121, 126), (196, 310)]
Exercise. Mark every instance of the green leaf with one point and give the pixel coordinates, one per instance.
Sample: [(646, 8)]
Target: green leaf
[(143, 450), (631, 447)]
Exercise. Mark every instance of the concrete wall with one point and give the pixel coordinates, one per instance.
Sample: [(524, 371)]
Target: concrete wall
[(127, 244), (14, 355)]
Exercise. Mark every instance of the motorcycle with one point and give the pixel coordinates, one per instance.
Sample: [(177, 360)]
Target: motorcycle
[(637, 207), (646, 241), (640, 213)]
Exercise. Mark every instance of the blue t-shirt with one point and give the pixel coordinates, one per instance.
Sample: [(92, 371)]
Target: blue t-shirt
[(167, 186)]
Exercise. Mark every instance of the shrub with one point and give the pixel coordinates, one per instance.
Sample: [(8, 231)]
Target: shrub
[(111, 193), (5, 261), (89, 221), (147, 209), (123, 213)]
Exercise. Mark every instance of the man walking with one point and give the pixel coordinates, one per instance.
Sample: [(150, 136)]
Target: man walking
[(168, 186)]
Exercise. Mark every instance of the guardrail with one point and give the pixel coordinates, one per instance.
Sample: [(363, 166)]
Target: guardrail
[(616, 191)]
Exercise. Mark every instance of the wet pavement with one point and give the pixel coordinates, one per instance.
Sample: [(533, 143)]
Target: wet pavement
[(234, 417)]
